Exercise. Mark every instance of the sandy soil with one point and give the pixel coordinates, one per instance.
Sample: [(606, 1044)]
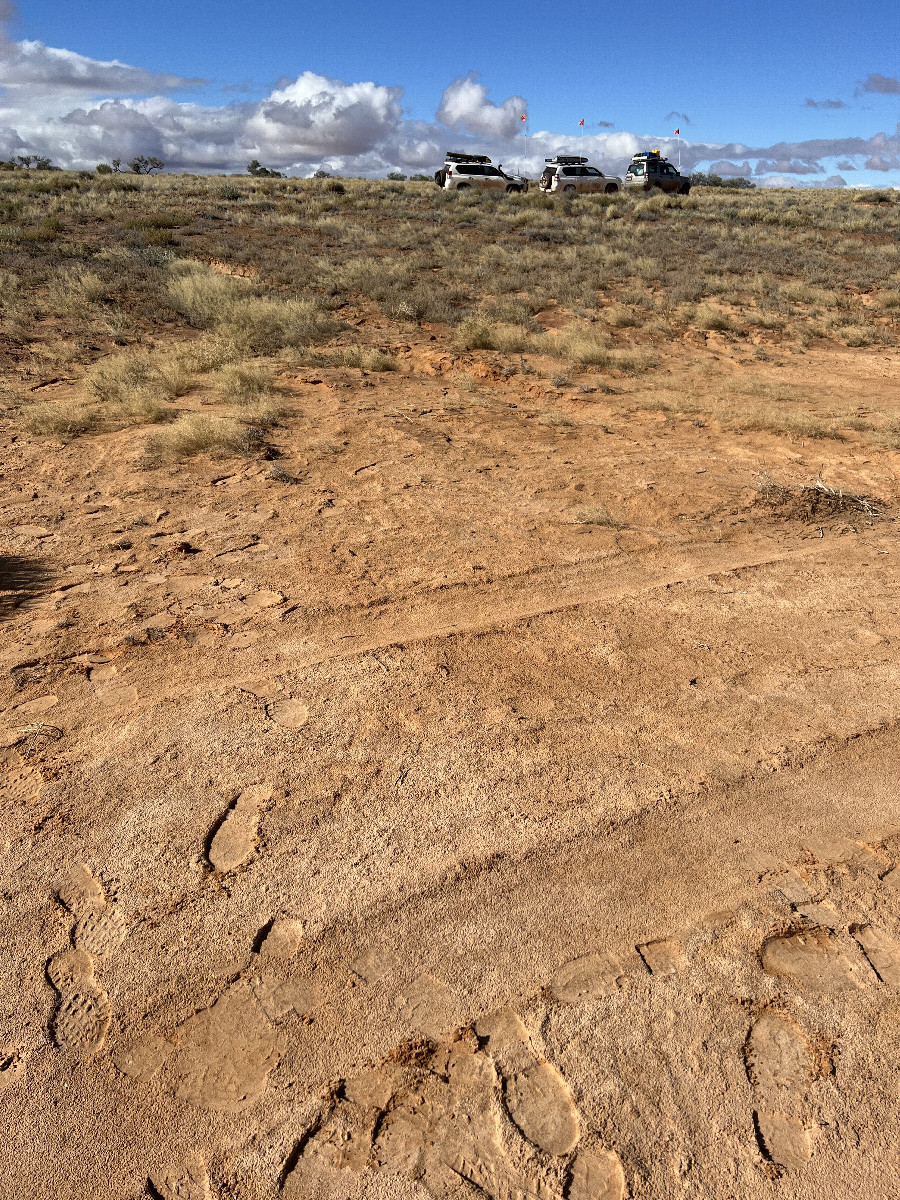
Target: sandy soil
[(380, 827)]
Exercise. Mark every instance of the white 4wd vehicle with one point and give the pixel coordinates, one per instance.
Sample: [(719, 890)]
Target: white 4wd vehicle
[(476, 170), (570, 173)]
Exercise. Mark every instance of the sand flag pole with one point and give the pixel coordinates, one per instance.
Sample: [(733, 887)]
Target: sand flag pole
[(525, 135), (678, 135), (581, 123)]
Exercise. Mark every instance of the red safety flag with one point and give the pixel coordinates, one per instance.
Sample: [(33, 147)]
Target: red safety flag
[(581, 122), (524, 118), (677, 132)]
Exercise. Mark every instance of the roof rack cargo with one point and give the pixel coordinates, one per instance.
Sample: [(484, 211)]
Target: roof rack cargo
[(566, 160), (457, 156), (646, 154)]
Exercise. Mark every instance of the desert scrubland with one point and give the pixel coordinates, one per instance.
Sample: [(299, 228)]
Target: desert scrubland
[(450, 708)]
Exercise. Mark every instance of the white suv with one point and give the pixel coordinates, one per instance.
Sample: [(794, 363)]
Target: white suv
[(570, 173), (475, 170)]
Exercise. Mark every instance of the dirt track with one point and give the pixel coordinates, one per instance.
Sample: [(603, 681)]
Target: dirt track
[(400, 832)]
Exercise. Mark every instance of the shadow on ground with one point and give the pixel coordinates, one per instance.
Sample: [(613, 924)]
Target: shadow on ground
[(21, 579)]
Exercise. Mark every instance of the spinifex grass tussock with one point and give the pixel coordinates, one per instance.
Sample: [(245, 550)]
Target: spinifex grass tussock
[(477, 334), (62, 420), (195, 433), (228, 305), (243, 383)]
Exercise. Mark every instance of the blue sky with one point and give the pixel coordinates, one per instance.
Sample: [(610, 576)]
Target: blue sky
[(735, 73)]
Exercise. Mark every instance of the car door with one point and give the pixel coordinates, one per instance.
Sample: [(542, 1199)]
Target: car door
[(593, 181), (494, 179)]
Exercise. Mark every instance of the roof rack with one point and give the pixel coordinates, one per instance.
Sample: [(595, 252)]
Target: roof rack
[(566, 160), (457, 156), (646, 154)]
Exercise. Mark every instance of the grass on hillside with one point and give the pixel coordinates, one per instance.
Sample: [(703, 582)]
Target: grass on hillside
[(148, 289)]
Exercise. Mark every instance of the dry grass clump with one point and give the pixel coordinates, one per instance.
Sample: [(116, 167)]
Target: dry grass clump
[(64, 421), (597, 515), (75, 293), (126, 378), (227, 304), (587, 347), (243, 383), (475, 333), (556, 419), (195, 433)]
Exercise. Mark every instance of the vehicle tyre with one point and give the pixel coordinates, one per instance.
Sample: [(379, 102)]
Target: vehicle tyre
[(684, 190), (656, 191), (462, 187), (611, 189), (513, 188), (570, 189)]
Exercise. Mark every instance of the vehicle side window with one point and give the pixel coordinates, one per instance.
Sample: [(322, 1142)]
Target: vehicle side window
[(592, 171), (568, 171), (491, 171), (637, 168), (474, 169)]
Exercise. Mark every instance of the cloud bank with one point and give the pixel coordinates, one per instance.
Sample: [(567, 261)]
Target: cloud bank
[(80, 111)]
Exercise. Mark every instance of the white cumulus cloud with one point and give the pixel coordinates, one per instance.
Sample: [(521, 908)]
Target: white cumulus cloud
[(465, 106)]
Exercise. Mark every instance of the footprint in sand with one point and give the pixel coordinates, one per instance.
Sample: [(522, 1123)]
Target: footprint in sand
[(12, 1068), (428, 1006), (663, 957), (882, 952), (225, 1053), (109, 690), (83, 1014), (373, 964), (235, 837), (815, 959), (99, 932), (781, 1064), (289, 713), (282, 939), (80, 891), (187, 1180), (20, 787), (437, 1115), (596, 1175), (783, 1139), (540, 1103), (537, 1097), (142, 1058), (780, 1058), (586, 978)]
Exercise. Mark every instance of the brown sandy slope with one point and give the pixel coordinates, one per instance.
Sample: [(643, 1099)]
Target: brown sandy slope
[(415, 829)]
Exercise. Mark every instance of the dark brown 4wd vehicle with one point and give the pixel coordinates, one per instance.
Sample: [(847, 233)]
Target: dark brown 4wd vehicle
[(649, 170)]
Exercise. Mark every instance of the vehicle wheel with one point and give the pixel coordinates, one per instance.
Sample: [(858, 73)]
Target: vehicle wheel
[(570, 189), (512, 188), (684, 190), (656, 191), (611, 189), (462, 187)]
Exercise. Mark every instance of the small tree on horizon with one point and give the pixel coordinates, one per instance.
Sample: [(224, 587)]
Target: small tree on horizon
[(144, 165), (256, 169)]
